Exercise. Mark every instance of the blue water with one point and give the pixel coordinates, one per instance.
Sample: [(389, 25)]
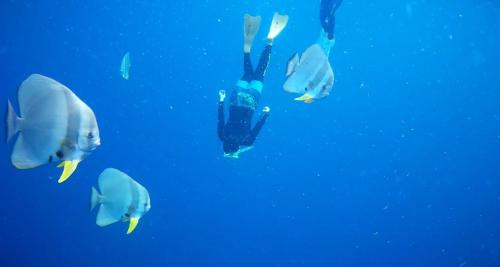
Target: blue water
[(399, 166)]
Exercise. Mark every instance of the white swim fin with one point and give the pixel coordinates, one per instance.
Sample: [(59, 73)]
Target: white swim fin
[(250, 28), (277, 25)]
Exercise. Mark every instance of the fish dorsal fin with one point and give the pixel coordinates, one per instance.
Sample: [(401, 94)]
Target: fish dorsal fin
[(39, 90)]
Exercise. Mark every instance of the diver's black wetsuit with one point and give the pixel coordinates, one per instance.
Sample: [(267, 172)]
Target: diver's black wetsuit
[(327, 16), (238, 131)]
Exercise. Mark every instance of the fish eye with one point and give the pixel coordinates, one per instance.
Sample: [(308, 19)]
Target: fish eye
[(90, 135)]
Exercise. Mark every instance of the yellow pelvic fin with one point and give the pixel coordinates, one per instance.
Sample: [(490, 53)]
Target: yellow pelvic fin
[(306, 98), (132, 225), (69, 169)]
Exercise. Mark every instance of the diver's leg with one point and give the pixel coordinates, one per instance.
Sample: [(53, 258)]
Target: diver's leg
[(247, 68), (260, 71), (327, 16), (250, 28)]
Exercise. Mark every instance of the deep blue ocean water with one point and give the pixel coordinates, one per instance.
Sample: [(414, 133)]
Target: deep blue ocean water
[(399, 166)]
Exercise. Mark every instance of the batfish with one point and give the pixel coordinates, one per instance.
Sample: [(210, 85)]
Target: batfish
[(125, 66), (310, 75), (54, 125), (121, 199)]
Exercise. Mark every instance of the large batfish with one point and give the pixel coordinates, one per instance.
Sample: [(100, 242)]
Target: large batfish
[(55, 125), (121, 199), (310, 75), (125, 66)]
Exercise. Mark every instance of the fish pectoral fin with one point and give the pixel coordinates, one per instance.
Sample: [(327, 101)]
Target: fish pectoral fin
[(306, 98), (132, 224), (69, 168)]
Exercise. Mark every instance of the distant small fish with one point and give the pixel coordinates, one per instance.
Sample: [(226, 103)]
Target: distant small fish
[(125, 66), (121, 199), (55, 125)]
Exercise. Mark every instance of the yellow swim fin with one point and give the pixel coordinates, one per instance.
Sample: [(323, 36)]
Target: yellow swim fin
[(306, 98), (69, 169), (132, 225)]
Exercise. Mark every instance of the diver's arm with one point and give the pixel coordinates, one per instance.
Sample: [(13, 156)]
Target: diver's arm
[(220, 119), (258, 126)]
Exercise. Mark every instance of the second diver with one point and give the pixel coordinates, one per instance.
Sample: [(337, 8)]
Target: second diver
[(237, 134)]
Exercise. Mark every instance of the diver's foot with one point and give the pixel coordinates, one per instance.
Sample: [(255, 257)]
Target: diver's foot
[(277, 26), (250, 29)]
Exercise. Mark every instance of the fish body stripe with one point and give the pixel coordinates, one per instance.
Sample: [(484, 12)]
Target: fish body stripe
[(73, 123)]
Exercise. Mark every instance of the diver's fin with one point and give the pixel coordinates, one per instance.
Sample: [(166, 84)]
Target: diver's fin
[(69, 168), (250, 28), (292, 64), (95, 198), (12, 126), (277, 25), (306, 98), (132, 224)]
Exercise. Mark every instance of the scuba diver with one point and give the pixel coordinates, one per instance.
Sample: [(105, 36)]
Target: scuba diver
[(327, 16), (237, 135), (311, 73), (327, 19)]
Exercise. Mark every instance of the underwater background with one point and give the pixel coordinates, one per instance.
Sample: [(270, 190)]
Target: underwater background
[(399, 166)]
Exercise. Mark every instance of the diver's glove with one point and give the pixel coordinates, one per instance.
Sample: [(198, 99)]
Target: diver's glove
[(222, 95), (266, 110)]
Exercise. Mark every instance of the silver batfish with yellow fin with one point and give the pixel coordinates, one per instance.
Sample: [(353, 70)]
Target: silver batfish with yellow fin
[(310, 75), (121, 199), (55, 125)]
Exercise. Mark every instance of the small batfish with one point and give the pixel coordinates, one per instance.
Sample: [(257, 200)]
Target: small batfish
[(55, 125), (310, 75), (125, 66), (121, 199)]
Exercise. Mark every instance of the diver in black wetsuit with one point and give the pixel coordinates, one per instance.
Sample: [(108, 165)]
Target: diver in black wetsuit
[(237, 135), (327, 16)]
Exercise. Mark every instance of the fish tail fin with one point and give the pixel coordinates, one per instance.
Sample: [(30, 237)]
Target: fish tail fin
[(306, 98), (69, 168), (95, 198), (12, 122)]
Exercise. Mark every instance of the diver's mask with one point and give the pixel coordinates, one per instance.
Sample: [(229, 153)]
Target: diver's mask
[(236, 155)]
